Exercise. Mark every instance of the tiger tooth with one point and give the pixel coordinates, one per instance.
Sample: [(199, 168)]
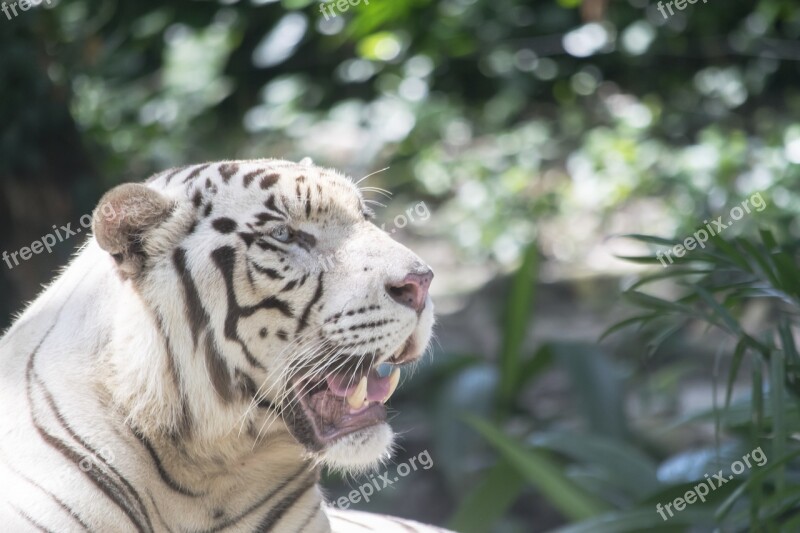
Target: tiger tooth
[(394, 379), (359, 394)]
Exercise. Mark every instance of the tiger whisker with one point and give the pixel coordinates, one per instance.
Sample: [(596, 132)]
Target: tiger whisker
[(318, 371), (378, 190), (372, 174), (259, 395), (283, 406)]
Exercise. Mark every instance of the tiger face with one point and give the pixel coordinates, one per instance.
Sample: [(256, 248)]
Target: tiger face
[(290, 310)]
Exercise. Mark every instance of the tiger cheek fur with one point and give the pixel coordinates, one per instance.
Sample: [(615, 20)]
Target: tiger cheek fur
[(223, 334)]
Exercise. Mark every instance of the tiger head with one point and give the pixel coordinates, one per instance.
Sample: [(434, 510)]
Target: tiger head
[(279, 307)]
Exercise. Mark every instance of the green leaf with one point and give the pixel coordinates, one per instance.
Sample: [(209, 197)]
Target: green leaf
[(778, 506), (763, 260), (651, 302), (757, 402), (651, 239), (641, 259), (731, 253), (623, 465), (740, 413), (757, 477), (777, 394), (597, 383), (629, 322), (789, 281), (736, 361), (639, 520), (671, 273), (515, 323), (768, 239), (719, 311), (533, 367), (666, 333), (539, 469), (489, 500)]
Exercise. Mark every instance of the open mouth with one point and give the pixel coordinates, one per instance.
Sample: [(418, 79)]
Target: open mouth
[(345, 402)]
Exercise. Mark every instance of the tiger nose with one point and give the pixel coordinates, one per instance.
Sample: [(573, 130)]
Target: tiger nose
[(412, 291)]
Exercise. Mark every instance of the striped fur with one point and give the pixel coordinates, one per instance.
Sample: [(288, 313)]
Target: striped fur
[(148, 387)]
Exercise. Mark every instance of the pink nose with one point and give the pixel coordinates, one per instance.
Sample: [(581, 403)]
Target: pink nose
[(412, 291)]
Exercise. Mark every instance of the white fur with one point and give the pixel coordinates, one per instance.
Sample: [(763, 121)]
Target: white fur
[(97, 350)]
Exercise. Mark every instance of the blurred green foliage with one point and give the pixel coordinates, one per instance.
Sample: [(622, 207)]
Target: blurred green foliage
[(606, 479), (552, 123), (502, 111)]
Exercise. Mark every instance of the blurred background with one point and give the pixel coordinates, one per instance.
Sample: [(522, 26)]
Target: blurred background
[(526, 139)]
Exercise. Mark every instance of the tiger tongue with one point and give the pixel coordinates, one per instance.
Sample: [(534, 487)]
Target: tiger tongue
[(378, 388)]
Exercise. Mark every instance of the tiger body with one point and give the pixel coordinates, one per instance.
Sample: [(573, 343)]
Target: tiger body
[(206, 353)]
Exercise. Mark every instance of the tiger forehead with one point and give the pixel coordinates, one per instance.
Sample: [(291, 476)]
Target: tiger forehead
[(299, 191), (312, 195)]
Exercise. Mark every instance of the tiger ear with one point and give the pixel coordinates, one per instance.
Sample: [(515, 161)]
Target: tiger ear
[(122, 219)]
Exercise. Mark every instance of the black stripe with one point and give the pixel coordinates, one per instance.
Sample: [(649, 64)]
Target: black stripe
[(196, 172), (271, 205), (246, 384), (263, 218), (165, 477), (305, 240), (269, 181), (173, 173), (228, 170), (250, 278), (158, 513), (274, 492), (52, 496), (217, 369), (317, 295), (284, 506), (132, 495), (269, 272), (225, 259), (269, 247), (250, 176), (247, 237), (186, 423), (308, 520), (195, 312), (30, 520), (104, 482), (98, 478), (101, 479)]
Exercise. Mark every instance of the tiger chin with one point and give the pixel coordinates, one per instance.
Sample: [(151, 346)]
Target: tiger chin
[(227, 330)]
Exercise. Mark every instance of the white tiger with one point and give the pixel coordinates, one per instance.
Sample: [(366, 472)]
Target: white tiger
[(203, 357)]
